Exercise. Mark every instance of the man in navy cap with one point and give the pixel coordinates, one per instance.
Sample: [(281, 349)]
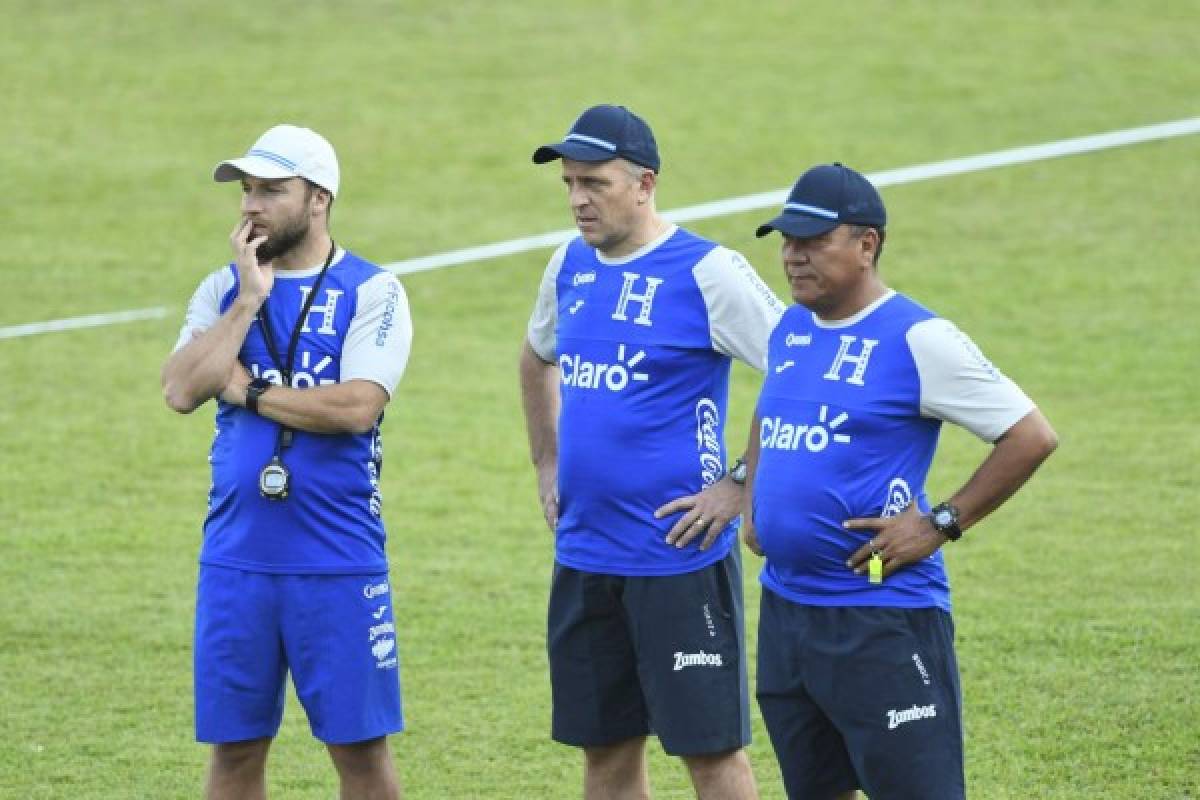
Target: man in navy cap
[(624, 378), (857, 678)]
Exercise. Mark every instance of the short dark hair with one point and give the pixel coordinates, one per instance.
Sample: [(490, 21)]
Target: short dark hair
[(858, 230)]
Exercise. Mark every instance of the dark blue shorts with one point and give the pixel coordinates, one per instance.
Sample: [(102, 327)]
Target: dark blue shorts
[(336, 634), (630, 656), (861, 698)]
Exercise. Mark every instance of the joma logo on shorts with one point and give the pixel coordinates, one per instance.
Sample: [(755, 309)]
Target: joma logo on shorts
[(701, 659), (375, 631), (898, 718), (373, 590)]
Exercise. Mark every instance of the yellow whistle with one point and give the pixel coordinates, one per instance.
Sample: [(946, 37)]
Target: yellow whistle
[(875, 569)]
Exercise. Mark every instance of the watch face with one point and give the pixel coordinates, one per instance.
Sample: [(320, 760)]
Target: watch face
[(943, 518)]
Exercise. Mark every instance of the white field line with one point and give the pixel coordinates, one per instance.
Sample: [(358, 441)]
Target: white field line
[(90, 321), (718, 208)]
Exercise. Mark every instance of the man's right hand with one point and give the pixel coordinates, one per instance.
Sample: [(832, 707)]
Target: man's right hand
[(749, 535), (547, 478), (254, 280)]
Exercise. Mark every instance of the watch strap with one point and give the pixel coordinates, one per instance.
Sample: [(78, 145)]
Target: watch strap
[(944, 518), (254, 390)]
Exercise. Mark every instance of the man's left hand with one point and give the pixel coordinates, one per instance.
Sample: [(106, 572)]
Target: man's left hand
[(901, 540), (705, 514)]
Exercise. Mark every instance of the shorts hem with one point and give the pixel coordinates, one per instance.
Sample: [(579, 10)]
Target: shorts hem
[(597, 741), (389, 730), (706, 749), (213, 738)]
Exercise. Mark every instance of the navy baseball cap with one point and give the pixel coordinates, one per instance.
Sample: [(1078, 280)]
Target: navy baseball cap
[(603, 133), (827, 196)]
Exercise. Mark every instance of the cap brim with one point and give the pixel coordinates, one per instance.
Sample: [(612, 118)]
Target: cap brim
[(576, 151), (801, 226), (235, 168)]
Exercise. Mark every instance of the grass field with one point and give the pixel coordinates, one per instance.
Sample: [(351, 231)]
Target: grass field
[(1077, 604)]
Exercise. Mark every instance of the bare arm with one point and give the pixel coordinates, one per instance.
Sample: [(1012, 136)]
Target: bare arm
[(350, 407), (1013, 460), (909, 537), (199, 370), (539, 398), (749, 534)]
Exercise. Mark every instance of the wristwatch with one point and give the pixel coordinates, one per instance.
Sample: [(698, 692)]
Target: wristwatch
[(737, 473), (944, 517), (255, 390)]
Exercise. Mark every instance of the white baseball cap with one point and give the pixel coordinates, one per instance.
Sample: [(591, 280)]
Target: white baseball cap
[(286, 151)]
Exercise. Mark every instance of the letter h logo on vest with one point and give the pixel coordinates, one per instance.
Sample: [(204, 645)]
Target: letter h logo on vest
[(646, 298), (859, 361), (327, 311)]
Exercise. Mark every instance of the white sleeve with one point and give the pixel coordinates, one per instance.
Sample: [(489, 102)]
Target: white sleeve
[(204, 309), (959, 384), (544, 319), (380, 335), (742, 310)]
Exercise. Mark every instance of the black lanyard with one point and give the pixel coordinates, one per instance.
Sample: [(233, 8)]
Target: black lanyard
[(285, 367), (264, 322)]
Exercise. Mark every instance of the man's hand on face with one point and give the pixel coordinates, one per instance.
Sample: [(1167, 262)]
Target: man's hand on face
[(254, 279)]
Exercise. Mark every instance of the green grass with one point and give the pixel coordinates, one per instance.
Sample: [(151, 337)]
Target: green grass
[(1076, 604)]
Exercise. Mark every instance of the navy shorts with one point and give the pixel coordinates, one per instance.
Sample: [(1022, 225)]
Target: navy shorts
[(630, 656), (861, 698), (336, 634)]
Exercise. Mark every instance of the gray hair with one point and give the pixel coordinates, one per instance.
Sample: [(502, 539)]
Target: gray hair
[(858, 230), (635, 170)]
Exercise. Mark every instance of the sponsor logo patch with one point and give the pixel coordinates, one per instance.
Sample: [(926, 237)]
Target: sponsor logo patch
[(899, 497), (708, 443), (373, 590), (582, 374), (382, 629), (700, 659), (921, 669), (798, 340), (898, 718), (776, 433)]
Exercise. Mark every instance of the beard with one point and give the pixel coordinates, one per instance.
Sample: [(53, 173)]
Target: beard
[(289, 237)]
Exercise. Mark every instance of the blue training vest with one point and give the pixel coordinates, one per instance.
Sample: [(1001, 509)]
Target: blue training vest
[(842, 436), (330, 523), (643, 407)]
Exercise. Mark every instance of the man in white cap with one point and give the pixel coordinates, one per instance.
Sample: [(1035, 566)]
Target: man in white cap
[(302, 344)]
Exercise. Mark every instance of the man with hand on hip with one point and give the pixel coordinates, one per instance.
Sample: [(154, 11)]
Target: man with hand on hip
[(857, 679), (624, 379)]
